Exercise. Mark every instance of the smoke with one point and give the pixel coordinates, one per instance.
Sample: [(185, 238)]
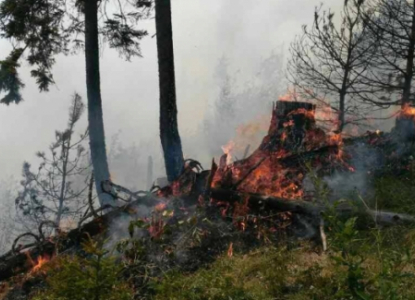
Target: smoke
[(9, 226), (365, 160), (118, 229)]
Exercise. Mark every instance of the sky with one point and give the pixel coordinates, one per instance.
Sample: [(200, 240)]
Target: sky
[(246, 31)]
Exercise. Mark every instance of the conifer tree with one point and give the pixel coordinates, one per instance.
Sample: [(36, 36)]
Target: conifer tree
[(41, 29)]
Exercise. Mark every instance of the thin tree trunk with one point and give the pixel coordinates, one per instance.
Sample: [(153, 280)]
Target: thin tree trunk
[(409, 64), (342, 107), (149, 172), (95, 119), (65, 152), (169, 131)]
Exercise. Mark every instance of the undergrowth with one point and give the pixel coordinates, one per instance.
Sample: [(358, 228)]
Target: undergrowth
[(376, 265), (367, 264), (96, 277), (364, 263)]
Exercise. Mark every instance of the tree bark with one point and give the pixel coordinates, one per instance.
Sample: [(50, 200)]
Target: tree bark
[(342, 108), (95, 118), (65, 152), (149, 172), (169, 132), (409, 63)]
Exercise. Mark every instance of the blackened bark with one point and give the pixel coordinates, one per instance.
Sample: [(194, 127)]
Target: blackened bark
[(342, 108), (169, 131), (95, 118), (149, 172), (409, 63)]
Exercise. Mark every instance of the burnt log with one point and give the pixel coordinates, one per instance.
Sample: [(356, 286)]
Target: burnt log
[(12, 263), (259, 202)]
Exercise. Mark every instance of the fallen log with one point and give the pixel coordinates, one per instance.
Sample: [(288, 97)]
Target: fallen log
[(17, 262), (13, 264), (262, 202)]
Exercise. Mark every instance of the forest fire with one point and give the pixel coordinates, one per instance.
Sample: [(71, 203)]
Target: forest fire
[(292, 133), (408, 111), (405, 122), (38, 263)]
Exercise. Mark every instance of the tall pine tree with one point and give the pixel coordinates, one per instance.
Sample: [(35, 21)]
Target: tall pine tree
[(169, 131), (42, 29)]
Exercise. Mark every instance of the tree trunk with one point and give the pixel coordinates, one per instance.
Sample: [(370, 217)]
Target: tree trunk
[(409, 63), (95, 119), (341, 112), (65, 153), (169, 132), (149, 172)]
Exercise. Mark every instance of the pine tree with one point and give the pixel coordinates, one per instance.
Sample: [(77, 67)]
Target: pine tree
[(41, 29), (169, 131), (393, 66), (329, 61)]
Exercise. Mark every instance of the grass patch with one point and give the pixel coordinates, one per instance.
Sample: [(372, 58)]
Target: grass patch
[(375, 264), (396, 193)]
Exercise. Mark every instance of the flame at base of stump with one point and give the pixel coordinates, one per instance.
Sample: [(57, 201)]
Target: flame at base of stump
[(270, 169)]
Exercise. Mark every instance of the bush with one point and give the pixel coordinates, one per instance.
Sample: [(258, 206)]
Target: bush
[(93, 278)]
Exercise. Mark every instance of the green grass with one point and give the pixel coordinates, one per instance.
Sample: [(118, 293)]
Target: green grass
[(364, 263), (395, 193), (376, 269)]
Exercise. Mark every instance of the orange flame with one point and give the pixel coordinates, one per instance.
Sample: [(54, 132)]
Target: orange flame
[(408, 111), (39, 263), (230, 250), (160, 207)]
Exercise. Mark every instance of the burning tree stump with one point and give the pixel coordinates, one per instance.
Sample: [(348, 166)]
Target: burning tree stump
[(292, 132), (405, 124)]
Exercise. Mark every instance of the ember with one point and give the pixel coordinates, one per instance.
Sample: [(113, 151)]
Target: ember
[(408, 111)]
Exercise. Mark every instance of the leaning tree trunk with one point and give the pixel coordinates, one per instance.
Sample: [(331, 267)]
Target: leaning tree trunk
[(169, 132), (95, 119)]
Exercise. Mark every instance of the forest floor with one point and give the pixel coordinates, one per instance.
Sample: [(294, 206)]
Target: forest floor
[(363, 261)]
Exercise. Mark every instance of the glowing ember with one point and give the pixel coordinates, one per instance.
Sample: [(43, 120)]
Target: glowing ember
[(230, 250), (160, 207), (408, 111)]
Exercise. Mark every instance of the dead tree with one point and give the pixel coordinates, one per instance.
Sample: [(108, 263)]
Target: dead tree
[(328, 62), (392, 70)]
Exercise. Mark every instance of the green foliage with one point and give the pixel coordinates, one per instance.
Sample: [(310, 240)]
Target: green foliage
[(238, 278), (96, 277), (54, 191), (9, 78), (395, 193), (43, 29), (370, 264), (357, 266)]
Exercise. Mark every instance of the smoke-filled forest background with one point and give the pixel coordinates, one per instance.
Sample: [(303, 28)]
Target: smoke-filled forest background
[(230, 66)]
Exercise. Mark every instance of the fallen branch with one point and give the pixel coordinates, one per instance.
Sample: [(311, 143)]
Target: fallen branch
[(261, 202), (16, 261)]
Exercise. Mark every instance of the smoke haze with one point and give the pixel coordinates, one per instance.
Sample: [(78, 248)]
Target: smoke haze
[(246, 32)]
